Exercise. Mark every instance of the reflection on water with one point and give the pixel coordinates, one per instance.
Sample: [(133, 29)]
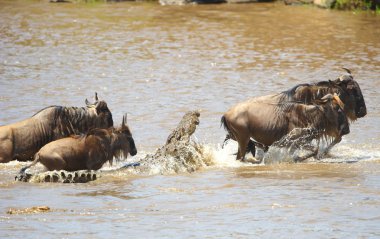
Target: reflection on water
[(158, 62)]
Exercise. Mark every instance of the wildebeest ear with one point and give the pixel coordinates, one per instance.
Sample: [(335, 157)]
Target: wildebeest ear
[(101, 106)]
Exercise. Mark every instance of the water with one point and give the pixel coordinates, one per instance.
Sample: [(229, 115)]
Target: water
[(158, 62)]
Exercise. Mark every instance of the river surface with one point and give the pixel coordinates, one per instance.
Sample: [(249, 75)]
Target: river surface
[(155, 63)]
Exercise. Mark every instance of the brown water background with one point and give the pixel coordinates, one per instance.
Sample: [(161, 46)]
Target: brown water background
[(158, 62)]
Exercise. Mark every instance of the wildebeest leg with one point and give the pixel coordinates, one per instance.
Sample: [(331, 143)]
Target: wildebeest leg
[(329, 147), (53, 162), (243, 144), (252, 148), (228, 137)]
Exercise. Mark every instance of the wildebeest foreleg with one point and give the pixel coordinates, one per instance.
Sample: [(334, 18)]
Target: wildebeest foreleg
[(329, 147)]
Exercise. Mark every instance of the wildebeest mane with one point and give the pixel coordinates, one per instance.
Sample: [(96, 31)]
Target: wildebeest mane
[(288, 94), (311, 94), (69, 120)]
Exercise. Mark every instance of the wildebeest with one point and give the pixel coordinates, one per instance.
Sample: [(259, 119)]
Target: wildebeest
[(23, 139), (266, 120), (345, 86), (89, 151)]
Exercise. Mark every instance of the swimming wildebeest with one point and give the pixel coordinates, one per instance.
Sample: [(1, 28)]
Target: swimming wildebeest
[(266, 120), (89, 151), (23, 139)]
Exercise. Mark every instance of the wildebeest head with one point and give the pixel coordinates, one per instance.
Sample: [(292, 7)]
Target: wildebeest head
[(336, 117), (126, 142), (101, 109), (352, 96)]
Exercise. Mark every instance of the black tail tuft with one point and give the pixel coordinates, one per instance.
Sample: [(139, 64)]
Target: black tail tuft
[(223, 122)]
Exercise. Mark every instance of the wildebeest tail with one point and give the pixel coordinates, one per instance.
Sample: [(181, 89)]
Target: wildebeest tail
[(223, 122), (35, 161)]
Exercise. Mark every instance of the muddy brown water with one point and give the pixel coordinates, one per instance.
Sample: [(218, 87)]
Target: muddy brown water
[(158, 62)]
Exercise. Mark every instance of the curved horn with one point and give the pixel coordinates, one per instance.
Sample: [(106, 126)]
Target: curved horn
[(87, 102), (348, 71), (123, 122), (96, 97), (327, 97), (338, 100)]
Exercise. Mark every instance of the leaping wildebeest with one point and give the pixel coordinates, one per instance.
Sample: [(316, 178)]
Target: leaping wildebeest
[(23, 139), (266, 120), (86, 152)]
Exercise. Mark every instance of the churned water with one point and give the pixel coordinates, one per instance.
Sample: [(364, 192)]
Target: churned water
[(155, 63)]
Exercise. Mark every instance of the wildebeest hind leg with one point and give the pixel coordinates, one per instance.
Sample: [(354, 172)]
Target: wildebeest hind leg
[(53, 162), (228, 137), (252, 148), (243, 144)]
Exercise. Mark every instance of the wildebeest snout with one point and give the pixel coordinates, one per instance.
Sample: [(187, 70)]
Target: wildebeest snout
[(132, 145), (344, 129), (362, 112)]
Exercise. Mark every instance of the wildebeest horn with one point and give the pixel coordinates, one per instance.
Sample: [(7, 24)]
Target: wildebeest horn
[(348, 71), (338, 100), (92, 104), (124, 120), (327, 97)]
